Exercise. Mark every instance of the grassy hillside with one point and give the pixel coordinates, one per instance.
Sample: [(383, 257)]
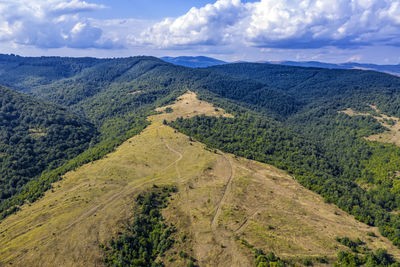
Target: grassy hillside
[(224, 206), (115, 95)]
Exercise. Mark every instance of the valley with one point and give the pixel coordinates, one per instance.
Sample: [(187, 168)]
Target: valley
[(225, 205)]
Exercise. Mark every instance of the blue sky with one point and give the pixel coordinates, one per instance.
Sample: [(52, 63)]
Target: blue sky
[(231, 30), (147, 9)]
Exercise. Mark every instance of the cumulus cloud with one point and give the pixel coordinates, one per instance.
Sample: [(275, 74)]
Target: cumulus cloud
[(294, 24), (50, 24), (209, 25)]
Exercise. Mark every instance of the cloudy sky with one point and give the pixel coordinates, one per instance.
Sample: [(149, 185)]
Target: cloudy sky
[(322, 30)]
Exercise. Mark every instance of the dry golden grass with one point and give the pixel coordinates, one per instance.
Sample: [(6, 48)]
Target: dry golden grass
[(351, 112), (391, 136), (264, 207), (223, 202), (135, 92), (188, 105)]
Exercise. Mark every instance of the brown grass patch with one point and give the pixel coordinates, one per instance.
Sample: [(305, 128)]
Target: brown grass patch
[(195, 107)]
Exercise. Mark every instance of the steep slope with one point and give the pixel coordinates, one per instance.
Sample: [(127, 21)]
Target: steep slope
[(224, 205), (35, 136), (76, 82)]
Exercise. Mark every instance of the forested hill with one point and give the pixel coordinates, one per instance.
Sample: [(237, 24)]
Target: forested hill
[(311, 85), (35, 136), (103, 88), (25, 73)]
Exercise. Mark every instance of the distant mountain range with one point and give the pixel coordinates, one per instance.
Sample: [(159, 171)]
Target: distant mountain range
[(391, 69), (203, 62), (194, 62)]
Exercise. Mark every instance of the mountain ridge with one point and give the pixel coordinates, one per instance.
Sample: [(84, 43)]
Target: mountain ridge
[(204, 62), (193, 61)]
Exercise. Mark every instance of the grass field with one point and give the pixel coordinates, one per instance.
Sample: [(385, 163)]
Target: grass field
[(224, 205)]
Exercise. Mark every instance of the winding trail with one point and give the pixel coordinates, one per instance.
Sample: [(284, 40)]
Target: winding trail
[(223, 236), (227, 190), (179, 182), (176, 161)]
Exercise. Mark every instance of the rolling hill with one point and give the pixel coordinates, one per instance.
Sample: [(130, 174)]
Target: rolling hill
[(257, 140)]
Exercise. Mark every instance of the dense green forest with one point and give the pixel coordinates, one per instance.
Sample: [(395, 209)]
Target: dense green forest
[(35, 136), (315, 87), (361, 255), (25, 73)]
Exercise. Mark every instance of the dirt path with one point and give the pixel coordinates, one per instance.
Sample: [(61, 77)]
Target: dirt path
[(227, 190), (176, 161), (223, 236), (244, 223)]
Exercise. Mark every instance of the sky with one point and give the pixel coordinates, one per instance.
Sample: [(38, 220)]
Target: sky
[(365, 31)]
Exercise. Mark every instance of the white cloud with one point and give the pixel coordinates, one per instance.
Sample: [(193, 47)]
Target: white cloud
[(295, 24), (50, 24), (226, 29), (208, 25)]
